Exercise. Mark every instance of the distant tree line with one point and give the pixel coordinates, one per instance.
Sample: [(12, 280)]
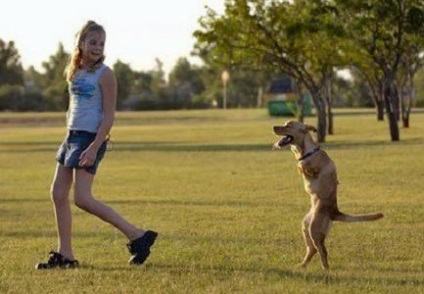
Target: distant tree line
[(187, 86), (380, 42)]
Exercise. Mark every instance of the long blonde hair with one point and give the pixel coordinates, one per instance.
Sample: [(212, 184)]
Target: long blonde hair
[(76, 56)]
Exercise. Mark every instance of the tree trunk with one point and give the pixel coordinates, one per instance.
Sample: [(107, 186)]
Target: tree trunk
[(405, 121), (321, 116), (300, 113), (407, 98), (411, 94), (260, 97), (406, 108), (390, 100), (301, 108), (375, 89), (322, 124), (380, 109), (395, 101), (329, 99), (330, 119)]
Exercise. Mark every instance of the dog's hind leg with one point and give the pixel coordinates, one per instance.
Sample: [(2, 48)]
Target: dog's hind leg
[(319, 228), (310, 247)]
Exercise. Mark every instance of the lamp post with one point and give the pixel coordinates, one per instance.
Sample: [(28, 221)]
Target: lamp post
[(225, 76)]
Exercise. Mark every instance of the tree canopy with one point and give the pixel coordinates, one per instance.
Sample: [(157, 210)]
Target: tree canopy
[(310, 39)]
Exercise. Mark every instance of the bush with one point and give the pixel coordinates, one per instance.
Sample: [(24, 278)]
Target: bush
[(11, 97)]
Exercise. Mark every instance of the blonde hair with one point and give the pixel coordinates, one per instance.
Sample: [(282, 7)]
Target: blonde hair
[(76, 56)]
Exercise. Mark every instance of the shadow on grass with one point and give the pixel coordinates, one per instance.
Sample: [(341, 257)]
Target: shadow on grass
[(172, 147), (334, 145), (170, 202), (119, 146), (25, 147), (53, 234), (25, 200), (226, 203), (187, 147), (327, 278)]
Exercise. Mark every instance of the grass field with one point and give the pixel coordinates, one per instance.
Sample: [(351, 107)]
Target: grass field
[(228, 209)]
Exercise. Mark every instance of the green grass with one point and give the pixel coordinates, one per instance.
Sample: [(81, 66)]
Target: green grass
[(228, 209)]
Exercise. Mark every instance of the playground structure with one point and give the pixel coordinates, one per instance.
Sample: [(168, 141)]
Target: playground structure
[(282, 98)]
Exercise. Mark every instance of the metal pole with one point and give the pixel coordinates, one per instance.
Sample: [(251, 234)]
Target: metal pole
[(225, 95), (225, 76)]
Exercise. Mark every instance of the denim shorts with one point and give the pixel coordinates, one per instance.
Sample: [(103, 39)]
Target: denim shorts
[(74, 144)]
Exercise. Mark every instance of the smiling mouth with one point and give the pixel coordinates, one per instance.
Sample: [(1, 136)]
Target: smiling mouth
[(285, 140)]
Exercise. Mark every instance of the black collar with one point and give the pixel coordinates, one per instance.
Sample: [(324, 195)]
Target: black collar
[(316, 149)]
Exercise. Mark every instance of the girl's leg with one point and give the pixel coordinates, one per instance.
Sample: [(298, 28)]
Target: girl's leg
[(84, 199), (60, 196)]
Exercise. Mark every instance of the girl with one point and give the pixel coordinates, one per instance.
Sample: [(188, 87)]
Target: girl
[(92, 89)]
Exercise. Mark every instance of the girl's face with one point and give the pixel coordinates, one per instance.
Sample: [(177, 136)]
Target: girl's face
[(93, 46)]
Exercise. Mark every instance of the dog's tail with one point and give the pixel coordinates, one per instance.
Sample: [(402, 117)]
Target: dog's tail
[(340, 216)]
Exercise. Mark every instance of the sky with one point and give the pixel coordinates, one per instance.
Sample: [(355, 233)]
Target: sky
[(138, 31)]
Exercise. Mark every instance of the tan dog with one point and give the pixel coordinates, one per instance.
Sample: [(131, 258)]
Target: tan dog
[(320, 179)]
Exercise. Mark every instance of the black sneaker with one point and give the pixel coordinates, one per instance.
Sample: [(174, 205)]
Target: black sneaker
[(57, 260), (140, 248)]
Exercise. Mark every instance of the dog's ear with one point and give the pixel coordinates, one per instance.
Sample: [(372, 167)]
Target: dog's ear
[(310, 128)]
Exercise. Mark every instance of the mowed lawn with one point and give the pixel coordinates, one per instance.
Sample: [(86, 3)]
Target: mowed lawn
[(227, 208)]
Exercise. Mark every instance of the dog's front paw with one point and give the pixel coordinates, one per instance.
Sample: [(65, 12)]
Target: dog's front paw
[(276, 146)]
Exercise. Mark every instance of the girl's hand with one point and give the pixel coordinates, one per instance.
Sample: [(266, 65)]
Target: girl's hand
[(88, 156)]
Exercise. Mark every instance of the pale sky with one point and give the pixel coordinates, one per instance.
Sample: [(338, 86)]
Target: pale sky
[(138, 31)]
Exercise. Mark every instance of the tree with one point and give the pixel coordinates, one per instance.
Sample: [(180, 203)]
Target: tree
[(379, 31), (159, 87), (411, 61), (186, 83), (299, 39), (419, 88), (11, 71), (11, 77), (373, 78), (53, 80), (125, 79), (246, 85), (353, 91)]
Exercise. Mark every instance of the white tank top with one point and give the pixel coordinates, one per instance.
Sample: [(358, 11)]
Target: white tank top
[(85, 101)]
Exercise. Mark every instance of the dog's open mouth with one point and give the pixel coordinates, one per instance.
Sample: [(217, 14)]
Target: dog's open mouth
[(285, 140)]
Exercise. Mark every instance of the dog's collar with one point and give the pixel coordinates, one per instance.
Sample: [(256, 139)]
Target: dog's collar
[(316, 149)]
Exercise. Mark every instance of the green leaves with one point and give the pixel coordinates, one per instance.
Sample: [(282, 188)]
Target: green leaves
[(11, 71)]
